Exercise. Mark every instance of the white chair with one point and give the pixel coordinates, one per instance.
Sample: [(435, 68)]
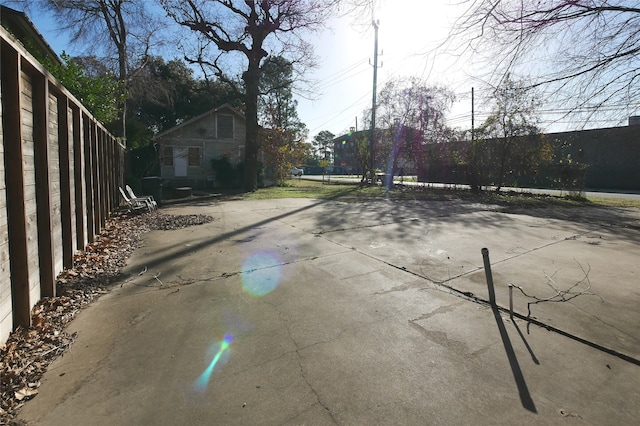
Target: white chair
[(136, 204), (149, 198)]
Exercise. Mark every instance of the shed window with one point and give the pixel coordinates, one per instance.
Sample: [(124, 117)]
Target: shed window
[(225, 126), (167, 156), (194, 156)]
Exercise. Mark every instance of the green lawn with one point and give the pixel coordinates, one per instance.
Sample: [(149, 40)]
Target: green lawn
[(299, 188)]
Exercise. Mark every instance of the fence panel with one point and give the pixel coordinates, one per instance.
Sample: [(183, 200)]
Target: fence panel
[(59, 177), (29, 183), (5, 278)]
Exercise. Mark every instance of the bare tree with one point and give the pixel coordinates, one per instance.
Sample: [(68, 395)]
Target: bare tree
[(413, 115), (510, 132), (121, 30), (246, 32), (411, 102), (583, 52)]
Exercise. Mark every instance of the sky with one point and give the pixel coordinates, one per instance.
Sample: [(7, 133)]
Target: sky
[(343, 81), (409, 31)]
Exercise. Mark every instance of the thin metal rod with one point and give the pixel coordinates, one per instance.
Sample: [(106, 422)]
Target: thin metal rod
[(511, 300)]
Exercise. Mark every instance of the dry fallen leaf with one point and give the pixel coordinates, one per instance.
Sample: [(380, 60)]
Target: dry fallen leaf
[(25, 393), (27, 353)]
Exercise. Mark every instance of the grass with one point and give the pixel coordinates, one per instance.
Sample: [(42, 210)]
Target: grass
[(614, 202), (299, 188)]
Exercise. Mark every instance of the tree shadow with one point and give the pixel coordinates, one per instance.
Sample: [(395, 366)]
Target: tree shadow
[(523, 391)]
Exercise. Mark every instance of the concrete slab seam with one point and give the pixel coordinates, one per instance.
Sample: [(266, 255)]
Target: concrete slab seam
[(474, 298)]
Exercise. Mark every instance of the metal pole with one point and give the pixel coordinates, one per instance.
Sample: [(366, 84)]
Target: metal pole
[(373, 103), (489, 276)]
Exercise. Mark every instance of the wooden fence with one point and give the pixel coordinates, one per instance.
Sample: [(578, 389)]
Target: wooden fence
[(59, 176)]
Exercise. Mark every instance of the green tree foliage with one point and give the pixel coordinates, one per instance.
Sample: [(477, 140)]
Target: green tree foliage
[(323, 145), (165, 94), (240, 32), (100, 94), (120, 31), (226, 174), (277, 108), (282, 133)]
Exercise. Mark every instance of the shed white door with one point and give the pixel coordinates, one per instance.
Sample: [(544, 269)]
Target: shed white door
[(180, 162)]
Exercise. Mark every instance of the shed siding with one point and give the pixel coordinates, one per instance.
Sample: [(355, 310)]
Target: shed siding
[(202, 133)]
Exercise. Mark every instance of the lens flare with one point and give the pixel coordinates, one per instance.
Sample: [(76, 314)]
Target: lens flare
[(261, 274), (202, 382)]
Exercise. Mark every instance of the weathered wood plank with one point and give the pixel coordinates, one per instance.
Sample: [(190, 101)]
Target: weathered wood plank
[(6, 321), (55, 195), (12, 141), (30, 202), (67, 171)]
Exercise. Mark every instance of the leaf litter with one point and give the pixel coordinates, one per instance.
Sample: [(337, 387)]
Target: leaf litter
[(27, 353)]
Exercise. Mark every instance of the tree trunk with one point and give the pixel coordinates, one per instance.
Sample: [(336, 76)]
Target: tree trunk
[(251, 79)]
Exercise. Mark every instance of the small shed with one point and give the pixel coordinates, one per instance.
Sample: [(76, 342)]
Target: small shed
[(186, 150)]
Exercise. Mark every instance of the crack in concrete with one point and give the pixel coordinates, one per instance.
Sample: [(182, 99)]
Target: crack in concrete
[(320, 402), (339, 335), (477, 299), (224, 275), (302, 371), (298, 348), (632, 337), (306, 410)]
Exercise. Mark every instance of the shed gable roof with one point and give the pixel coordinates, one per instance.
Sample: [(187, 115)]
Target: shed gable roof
[(221, 108), (21, 27)]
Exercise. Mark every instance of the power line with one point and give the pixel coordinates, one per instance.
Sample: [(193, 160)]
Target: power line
[(342, 75), (336, 114)]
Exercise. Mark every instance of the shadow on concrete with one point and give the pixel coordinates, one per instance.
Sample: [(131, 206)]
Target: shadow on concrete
[(620, 221), (410, 218), (411, 215), (526, 344), (227, 235), (523, 391)]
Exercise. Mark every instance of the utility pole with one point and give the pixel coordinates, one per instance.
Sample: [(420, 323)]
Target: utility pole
[(373, 104), (472, 116), (474, 154)]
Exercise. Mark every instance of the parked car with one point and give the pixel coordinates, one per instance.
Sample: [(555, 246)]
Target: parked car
[(296, 171)]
